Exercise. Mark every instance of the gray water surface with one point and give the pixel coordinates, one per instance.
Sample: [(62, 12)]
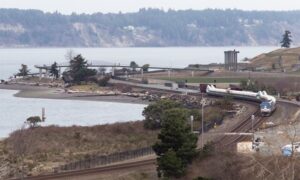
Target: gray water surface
[(14, 111)]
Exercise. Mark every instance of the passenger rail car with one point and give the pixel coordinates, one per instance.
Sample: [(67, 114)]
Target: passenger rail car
[(268, 103)]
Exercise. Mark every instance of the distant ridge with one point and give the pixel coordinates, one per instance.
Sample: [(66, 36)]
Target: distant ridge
[(146, 28)]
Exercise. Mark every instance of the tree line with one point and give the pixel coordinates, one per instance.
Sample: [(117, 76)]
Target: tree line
[(210, 27)]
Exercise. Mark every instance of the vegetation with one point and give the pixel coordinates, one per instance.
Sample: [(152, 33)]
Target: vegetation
[(47, 147), (54, 70), (78, 70), (23, 71), (33, 121), (133, 65), (177, 144), (225, 103), (286, 41), (256, 86), (154, 112), (155, 27), (103, 81), (145, 67)]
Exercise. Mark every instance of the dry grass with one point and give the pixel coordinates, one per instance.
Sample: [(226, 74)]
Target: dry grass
[(289, 57), (283, 85), (36, 79), (91, 87), (50, 146), (229, 165), (174, 73)]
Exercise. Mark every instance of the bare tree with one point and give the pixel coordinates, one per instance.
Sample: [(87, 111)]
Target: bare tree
[(70, 55)]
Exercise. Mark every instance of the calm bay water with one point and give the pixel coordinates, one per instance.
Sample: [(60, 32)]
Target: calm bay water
[(10, 59), (14, 111)]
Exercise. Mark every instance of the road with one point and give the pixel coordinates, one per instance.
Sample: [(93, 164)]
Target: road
[(155, 86)]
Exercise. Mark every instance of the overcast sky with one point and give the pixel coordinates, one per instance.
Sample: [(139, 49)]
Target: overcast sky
[(105, 6)]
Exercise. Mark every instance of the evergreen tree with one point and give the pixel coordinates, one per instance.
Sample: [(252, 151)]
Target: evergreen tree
[(172, 165), (54, 70), (79, 69), (286, 41), (23, 71), (177, 144)]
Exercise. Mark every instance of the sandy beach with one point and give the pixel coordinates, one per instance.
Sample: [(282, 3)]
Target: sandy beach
[(27, 91)]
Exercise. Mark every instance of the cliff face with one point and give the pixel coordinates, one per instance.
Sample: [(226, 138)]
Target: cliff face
[(148, 27)]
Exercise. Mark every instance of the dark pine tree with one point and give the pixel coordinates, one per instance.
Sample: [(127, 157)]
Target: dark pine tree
[(23, 71), (177, 144), (54, 70), (286, 41), (79, 70)]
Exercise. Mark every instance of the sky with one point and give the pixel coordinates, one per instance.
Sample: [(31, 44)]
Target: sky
[(115, 6)]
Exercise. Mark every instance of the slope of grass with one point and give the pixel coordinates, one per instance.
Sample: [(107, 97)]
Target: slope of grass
[(51, 146)]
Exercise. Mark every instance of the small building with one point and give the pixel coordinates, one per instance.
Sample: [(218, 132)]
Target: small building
[(231, 60)]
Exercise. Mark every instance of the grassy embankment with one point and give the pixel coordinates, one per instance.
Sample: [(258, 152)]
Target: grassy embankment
[(91, 87), (48, 147), (284, 58), (205, 79)]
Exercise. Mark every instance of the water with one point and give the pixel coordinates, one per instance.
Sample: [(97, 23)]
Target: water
[(10, 59), (14, 111)]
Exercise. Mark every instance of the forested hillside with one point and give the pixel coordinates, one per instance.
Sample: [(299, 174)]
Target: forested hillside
[(148, 27)]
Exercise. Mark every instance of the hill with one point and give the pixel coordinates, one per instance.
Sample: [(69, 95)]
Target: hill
[(278, 60), (147, 27)]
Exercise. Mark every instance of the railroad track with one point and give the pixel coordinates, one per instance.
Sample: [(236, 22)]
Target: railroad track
[(224, 142), (227, 142), (110, 168)]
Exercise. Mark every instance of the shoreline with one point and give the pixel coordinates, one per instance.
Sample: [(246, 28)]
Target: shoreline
[(39, 92)]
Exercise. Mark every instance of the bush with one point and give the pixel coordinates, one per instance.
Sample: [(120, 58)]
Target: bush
[(225, 103), (34, 120), (153, 113), (145, 81), (103, 81)]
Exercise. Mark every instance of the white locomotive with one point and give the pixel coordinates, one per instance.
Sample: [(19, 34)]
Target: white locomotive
[(268, 103)]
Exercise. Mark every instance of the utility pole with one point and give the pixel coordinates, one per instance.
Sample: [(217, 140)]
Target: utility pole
[(202, 122), (192, 123), (252, 122)]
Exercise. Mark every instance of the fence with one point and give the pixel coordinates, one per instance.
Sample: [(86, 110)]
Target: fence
[(95, 161)]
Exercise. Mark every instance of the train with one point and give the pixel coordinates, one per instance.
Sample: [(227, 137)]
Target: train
[(267, 102)]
